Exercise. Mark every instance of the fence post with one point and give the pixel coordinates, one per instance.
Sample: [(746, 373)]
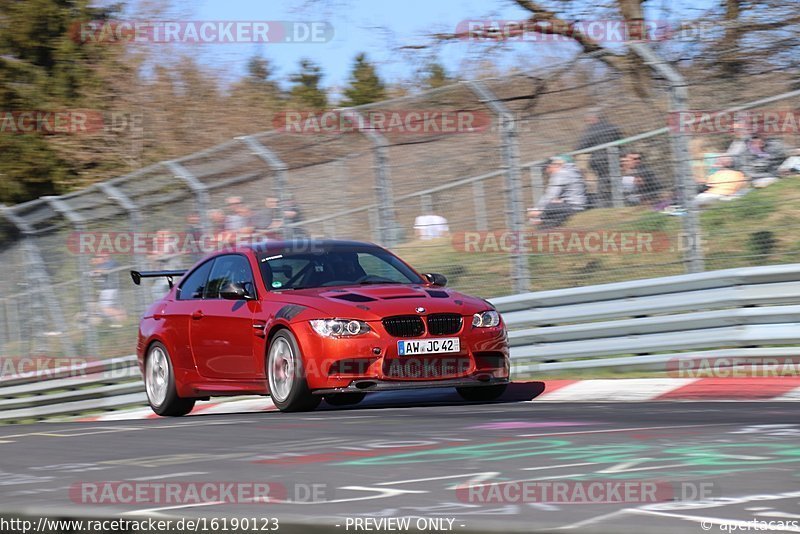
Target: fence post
[(615, 175), (374, 223), (40, 282), (197, 187), (135, 218), (426, 204), (387, 224), (3, 325), (479, 200), (39, 287), (693, 255), (14, 335), (515, 207), (280, 168)]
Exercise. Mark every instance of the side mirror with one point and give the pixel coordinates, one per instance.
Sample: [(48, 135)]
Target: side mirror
[(436, 279), (235, 291)]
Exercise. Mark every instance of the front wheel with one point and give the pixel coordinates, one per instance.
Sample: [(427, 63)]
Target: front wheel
[(286, 376), (482, 393), (159, 384)]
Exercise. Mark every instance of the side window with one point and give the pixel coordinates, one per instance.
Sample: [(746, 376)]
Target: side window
[(229, 268), (375, 266), (194, 286)]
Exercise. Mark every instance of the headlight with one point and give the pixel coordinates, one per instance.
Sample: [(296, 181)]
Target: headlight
[(339, 327), (486, 319)]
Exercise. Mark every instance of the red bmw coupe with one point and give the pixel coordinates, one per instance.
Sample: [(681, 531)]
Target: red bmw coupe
[(306, 320)]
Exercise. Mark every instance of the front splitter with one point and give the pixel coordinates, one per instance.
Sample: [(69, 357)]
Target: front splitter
[(371, 386)]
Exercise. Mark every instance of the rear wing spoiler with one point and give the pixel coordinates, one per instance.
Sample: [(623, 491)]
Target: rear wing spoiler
[(137, 276)]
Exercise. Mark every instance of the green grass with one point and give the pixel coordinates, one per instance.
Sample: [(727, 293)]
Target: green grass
[(733, 235)]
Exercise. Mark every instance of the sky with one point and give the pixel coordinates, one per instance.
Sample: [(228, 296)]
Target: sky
[(377, 27), (380, 28)]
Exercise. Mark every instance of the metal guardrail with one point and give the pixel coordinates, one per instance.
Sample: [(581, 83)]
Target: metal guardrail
[(635, 325), (643, 324), (71, 390)]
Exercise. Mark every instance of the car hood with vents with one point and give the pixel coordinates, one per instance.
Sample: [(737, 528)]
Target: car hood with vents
[(374, 302)]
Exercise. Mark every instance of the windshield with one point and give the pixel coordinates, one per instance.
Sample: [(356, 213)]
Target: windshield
[(334, 267)]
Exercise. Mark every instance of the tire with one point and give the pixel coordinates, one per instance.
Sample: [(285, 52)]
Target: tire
[(345, 399), (286, 376), (482, 393), (159, 381)]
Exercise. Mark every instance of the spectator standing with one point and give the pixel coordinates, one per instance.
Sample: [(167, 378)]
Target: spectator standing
[(292, 216), (107, 278), (564, 197), (217, 219), (267, 220), (599, 131), (234, 221), (194, 233), (164, 255)]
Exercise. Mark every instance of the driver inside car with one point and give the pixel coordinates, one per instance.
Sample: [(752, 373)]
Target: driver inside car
[(346, 268)]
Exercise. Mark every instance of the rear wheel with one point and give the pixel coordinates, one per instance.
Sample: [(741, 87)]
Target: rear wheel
[(159, 382), (344, 399), (286, 375), (482, 393)]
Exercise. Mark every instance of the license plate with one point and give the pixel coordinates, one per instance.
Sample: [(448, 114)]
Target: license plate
[(428, 346)]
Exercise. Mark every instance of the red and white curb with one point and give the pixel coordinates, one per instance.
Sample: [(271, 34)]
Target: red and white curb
[(609, 390), (672, 389)]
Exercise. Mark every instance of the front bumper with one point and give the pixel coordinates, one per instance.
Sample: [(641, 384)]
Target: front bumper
[(368, 385), (372, 360)]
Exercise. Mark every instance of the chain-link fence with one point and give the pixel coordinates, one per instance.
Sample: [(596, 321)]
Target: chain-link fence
[(565, 177)]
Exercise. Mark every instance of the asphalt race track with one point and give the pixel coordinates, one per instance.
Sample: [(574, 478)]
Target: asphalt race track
[(403, 455)]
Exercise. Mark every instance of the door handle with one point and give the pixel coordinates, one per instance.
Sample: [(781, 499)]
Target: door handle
[(198, 314)]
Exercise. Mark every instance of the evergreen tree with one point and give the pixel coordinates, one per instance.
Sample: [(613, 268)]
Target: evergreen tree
[(43, 67), (435, 75), (365, 85), (259, 75), (306, 91)]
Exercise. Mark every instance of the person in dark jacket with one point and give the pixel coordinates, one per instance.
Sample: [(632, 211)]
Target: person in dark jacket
[(599, 131), (762, 159), (639, 183)]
